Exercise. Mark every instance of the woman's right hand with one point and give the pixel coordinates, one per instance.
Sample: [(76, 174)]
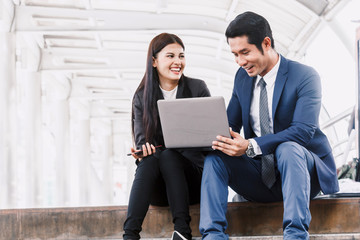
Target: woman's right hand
[(147, 149)]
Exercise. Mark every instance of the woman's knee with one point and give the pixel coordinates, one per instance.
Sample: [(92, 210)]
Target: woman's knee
[(149, 161), (168, 153), (148, 165), (170, 158), (146, 175)]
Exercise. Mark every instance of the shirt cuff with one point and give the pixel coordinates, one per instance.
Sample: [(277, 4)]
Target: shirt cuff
[(256, 147)]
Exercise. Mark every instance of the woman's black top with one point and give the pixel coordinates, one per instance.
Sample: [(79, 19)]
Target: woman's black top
[(187, 88)]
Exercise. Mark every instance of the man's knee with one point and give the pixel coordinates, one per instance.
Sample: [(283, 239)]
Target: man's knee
[(214, 163), (287, 149), (212, 160), (290, 153)]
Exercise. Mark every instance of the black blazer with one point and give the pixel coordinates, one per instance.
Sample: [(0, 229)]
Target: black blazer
[(187, 88)]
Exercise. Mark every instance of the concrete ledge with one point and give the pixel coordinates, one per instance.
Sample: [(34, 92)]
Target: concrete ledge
[(312, 237), (329, 216), (338, 215), (62, 223)]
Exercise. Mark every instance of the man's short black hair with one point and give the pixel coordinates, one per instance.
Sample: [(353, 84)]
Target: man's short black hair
[(252, 25)]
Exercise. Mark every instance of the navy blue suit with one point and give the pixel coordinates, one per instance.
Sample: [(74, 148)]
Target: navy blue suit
[(295, 111), (304, 161)]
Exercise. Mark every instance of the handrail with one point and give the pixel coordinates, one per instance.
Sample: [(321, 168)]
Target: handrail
[(337, 118), (341, 158)]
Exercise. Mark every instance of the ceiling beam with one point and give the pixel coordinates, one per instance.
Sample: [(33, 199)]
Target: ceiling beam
[(51, 19), (70, 59)]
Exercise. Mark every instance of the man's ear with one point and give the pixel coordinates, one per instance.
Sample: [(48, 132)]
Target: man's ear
[(267, 43)]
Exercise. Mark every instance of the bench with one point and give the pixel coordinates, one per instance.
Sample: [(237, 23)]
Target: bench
[(336, 215)]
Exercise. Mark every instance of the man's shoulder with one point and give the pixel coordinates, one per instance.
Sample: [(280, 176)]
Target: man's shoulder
[(298, 67)]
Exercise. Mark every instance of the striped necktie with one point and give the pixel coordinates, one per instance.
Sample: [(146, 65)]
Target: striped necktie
[(267, 161)]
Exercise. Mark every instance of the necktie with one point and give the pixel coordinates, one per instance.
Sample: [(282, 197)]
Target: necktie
[(267, 161)]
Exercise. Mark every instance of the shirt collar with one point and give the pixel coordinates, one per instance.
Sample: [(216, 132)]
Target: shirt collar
[(270, 77)]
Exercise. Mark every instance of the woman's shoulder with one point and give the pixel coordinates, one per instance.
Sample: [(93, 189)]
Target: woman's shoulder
[(196, 87), (138, 97), (139, 93), (193, 81)]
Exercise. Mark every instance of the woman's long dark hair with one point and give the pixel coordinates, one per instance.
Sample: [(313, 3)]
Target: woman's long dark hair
[(150, 85)]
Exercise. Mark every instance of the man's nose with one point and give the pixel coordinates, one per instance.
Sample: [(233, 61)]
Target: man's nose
[(241, 61)]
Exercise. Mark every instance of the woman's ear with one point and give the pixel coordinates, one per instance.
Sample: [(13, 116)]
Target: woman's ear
[(154, 62)]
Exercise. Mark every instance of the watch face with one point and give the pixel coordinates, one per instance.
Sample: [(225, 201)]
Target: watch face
[(250, 152)]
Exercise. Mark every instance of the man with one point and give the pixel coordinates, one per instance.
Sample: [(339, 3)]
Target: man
[(284, 155)]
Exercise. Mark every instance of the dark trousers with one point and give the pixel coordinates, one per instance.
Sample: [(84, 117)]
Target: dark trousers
[(166, 178)]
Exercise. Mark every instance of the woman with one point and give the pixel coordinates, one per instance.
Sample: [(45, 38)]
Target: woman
[(163, 176)]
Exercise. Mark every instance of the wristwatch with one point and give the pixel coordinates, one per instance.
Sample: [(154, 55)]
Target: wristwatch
[(250, 150)]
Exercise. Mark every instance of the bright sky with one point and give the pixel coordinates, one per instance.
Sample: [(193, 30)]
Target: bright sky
[(335, 64)]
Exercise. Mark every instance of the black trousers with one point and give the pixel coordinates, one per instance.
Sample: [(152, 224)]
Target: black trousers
[(166, 178)]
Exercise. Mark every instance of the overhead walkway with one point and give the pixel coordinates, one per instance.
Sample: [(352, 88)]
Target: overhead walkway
[(334, 218)]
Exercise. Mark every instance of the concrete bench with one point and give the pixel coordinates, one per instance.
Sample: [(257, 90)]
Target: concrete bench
[(337, 215)]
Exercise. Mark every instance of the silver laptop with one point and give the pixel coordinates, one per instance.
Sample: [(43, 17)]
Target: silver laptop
[(193, 122)]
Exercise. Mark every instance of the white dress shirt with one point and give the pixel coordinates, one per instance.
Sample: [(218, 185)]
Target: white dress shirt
[(269, 78)]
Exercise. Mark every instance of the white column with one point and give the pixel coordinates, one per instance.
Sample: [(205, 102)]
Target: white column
[(7, 94), (28, 127), (56, 140), (123, 165), (101, 179), (79, 174)]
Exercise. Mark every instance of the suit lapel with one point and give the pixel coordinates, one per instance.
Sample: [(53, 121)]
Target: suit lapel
[(279, 84)]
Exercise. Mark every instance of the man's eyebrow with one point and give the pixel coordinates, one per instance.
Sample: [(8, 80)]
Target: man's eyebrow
[(244, 50)]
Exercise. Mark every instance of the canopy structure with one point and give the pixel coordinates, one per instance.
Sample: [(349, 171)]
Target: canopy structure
[(71, 69), (99, 46)]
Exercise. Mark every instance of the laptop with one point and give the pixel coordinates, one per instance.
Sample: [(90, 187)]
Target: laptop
[(193, 122)]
